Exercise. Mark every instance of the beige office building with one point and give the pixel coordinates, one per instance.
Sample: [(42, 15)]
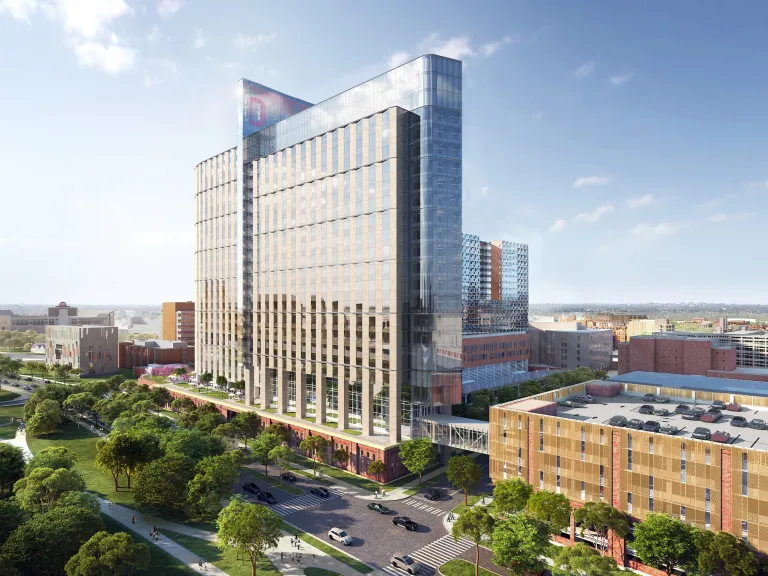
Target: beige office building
[(93, 349)]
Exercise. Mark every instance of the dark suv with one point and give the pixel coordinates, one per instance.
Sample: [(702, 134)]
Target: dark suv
[(651, 426), (433, 494), (618, 420), (739, 422), (646, 409), (635, 424), (693, 414), (405, 522), (682, 408), (701, 434)]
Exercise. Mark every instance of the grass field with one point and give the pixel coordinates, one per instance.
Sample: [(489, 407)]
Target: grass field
[(160, 561), (308, 474), (215, 394), (328, 549), (83, 442), (224, 560), (274, 481), (8, 429), (6, 395), (332, 472), (463, 568), (170, 414)]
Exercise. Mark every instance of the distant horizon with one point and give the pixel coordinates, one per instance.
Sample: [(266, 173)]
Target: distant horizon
[(562, 303)]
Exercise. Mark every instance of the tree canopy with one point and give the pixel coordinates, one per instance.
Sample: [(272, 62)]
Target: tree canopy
[(40, 490), (581, 560), (249, 529), (464, 473), (511, 496), (161, 486), (722, 554), (11, 468), (476, 525), (664, 542), (551, 508), (417, 454), (518, 543), (106, 553)]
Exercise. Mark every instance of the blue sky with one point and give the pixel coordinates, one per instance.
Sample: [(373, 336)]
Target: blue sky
[(624, 142)]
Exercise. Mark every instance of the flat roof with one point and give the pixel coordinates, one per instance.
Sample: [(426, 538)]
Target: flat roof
[(628, 405), (694, 382), (458, 421), (493, 334), (527, 405)]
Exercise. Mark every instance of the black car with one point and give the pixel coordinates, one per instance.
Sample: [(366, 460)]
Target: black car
[(251, 487), (290, 476), (701, 434), (583, 399), (266, 497), (654, 398), (433, 494), (757, 424), (47, 381), (635, 424), (322, 492), (380, 508), (739, 422), (405, 522), (669, 429), (28, 379), (651, 426), (719, 404), (618, 420), (714, 410), (646, 409), (682, 408), (693, 414)]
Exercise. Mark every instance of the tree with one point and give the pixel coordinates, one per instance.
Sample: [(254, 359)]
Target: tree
[(262, 449), (180, 372), (601, 518), (229, 432), (47, 416), (552, 509), (377, 468), (11, 468), (314, 446), (249, 425), (43, 545), (222, 381), (192, 444), (518, 543), (341, 457), (110, 457), (160, 396), (281, 455), (207, 423), (511, 496), (52, 457), (79, 403), (57, 392), (62, 370), (206, 378), (11, 517), (212, 483), (476, 525), (581, 560), (280, 431), (722, 554), (161, 485), (81, 500), (106, 553), (75, 372), (182, 404), (249, 529), (464, 473), (417, 454), (39, 491), (665, 542)]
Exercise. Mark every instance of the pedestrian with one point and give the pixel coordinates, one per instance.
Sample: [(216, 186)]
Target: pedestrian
[(281, 556), (154, 529), (200, 564), (133, 519), (482, 501)]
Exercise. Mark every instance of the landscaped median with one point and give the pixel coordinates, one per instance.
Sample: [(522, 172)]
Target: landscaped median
[(459, 567), (328, 549), (7, 395), (284, 486)]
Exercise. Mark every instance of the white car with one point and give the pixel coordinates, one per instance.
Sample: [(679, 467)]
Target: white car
[(340, 536), (405, 563)]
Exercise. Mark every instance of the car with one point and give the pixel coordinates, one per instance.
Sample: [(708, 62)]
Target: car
[(682, 408), (655, 398), (322, 492), (713, 410), (661, 412), (719, 404), (28, 387), (28, 379), (739, 422), (711, 416), (733, 407), (757, 424), (646, 409), (380, 508), (290, 476), (568, 404), (701, 434), (693, 414), (266, 497), (583, 399), (618, 420), (405, 563), (251, 487), (433, 494), (340, 536), (405, 522), (669, 429), (635, 424), (47, 381), (651, 426), (721, 436)]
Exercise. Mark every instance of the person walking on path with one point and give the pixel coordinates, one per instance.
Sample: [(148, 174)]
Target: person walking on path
[(133, 519)]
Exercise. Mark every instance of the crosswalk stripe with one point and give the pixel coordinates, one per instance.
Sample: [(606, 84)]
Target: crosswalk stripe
[(441, 551)]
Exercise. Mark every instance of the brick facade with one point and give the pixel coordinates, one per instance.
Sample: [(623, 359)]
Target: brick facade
[(132, 355), (726, 492), (676, 356)]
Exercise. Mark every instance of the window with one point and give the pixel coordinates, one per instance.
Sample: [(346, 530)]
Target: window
[(583, 490), (629, 452), (682, 513), (372, 139), (650, 493), (629, 502), (541, 478), (558, 429), (541, 434), (650, 445), (744, 469), (602, 436), (707, 502), (558, 474), (706, 456), (682, 464), (744, 530), (583, 442), (519, 461)]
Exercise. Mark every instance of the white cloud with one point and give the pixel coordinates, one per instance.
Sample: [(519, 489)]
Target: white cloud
[(112, 57), (621, 79), (584, 70), (491, 48), (200, 39), (558, 226), (88, 19), (590, 181), (660, 229), (719, 201), (723, 217), (397, 59), (167, 8), (456, 47), (19, 9), (640, 201), (594, 215), (758, 184), (154, 36), (244, 41)]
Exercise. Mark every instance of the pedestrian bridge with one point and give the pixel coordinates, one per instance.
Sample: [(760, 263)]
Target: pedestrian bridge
[(453, 431)]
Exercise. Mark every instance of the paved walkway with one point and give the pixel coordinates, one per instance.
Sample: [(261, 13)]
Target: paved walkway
[(20, 441), (448, 524)]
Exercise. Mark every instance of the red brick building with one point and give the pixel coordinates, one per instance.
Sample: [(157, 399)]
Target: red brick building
[(484, 349), (144, 352), (675, 356)]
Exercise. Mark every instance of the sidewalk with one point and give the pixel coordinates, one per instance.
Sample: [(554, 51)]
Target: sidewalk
[(309, 556), (449, 525), (20, 441)]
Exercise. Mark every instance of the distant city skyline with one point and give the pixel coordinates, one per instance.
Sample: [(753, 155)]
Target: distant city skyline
[(626, 150)]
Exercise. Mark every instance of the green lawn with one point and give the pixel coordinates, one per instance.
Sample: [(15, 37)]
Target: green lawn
[(181, 384), (8, 428), (319, 572), (331, 424), (328, 549), (309, 418), (363, 483), (216, 394), (6, 395), (462, 568), (170, 414), (308, 474), (160, 561), (352, 431), (83, 442), (273, 481), (426, 484), (224, 560)]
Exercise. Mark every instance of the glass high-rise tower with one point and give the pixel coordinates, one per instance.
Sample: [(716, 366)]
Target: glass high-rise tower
[(328, 251)]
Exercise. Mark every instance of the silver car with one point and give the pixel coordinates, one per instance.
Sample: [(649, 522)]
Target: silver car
[(340, 536), (405, 563)]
